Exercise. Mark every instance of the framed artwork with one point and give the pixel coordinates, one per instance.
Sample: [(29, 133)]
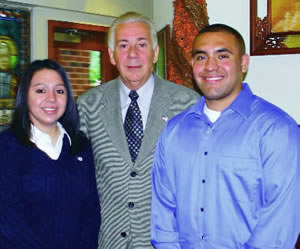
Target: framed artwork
[(279, 31), (163, 39), (14, 56)]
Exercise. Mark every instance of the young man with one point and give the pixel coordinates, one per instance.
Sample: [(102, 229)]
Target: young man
[(123, 157), (226, 172)]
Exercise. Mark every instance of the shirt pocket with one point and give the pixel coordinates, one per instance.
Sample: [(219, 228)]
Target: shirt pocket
[(238, 178)]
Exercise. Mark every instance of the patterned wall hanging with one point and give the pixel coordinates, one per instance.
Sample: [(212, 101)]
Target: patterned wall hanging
[(190, 16)]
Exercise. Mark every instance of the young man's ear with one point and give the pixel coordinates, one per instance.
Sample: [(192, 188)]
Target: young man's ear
[(245, 62)]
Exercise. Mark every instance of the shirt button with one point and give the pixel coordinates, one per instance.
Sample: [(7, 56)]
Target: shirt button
[(203, 237), (133, 174), (202, 209), (123, 234), (205, 153), (203, 181), (131, 205)]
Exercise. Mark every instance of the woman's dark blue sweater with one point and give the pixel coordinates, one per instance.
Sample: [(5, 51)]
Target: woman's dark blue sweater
[(45, 203)]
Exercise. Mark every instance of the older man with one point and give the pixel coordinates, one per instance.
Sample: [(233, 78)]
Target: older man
[(123, 119)]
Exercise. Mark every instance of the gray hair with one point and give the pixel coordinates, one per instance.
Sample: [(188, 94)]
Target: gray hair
[(130, 17)]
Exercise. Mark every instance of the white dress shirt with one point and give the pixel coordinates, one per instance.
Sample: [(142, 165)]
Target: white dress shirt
[(43, 141), (145, 94)]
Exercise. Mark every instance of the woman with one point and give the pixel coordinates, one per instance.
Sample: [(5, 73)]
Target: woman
[(48, 195)]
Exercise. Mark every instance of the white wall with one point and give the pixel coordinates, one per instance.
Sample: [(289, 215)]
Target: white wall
[(100, 7), (276, 78), (162, 13)]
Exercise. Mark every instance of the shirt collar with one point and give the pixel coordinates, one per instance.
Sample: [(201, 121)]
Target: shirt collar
[(241, 104), (145, 93), (38, 136), (43, 141)]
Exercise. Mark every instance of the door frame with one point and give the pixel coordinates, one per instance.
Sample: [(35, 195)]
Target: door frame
[(52, 52)]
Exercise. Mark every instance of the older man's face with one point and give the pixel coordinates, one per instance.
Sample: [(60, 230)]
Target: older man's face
[(133, 53)]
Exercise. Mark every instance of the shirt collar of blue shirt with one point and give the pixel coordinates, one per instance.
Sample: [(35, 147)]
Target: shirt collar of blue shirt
[(241, 104)]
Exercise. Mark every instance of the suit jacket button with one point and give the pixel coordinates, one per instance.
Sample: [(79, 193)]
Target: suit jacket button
[(133, 174), (123, 234), (131, 205)]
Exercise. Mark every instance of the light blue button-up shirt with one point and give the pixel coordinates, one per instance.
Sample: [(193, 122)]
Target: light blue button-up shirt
[(232, 184)]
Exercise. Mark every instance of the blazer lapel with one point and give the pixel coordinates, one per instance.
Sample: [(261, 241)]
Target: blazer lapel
[(158, 115), (112, 119)]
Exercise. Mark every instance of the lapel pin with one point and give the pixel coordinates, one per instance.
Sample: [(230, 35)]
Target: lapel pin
[(80, 159), (165, 118)]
